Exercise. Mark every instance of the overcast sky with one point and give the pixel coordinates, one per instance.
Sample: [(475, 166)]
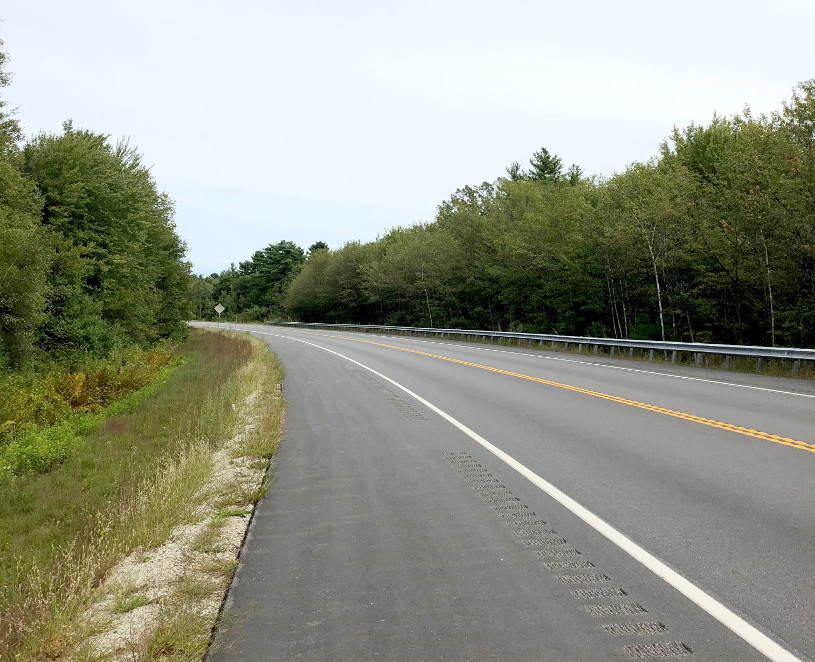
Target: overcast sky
[(335, 121)]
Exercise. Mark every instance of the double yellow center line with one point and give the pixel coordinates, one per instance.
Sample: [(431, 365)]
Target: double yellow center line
[(765, 436)]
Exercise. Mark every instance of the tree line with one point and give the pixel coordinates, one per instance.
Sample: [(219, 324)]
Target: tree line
[(89, 257), (711, 240)]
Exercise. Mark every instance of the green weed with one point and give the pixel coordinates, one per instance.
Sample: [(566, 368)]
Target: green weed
[(206, 542), (126, 601), (223, 513), (182, 638), (189, 590), (220, 569)]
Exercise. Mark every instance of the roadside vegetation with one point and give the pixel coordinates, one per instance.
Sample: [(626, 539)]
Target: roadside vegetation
[(123, 437), (134, 480), (711, 240), (43, 417), (90, 263)]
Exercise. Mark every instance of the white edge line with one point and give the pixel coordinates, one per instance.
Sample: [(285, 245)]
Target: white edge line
[(725, 616)]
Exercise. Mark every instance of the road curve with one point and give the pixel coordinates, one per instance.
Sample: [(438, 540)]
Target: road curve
[(426, 505)]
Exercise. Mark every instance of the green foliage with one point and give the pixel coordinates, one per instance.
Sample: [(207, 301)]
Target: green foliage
[(89, 257), (32, 399), (712, 241), (10, 131), (546, 167), (317, 246), (40, 449), (26, 253), (119, 276), (43, 420), (254, 290), (515, 172)]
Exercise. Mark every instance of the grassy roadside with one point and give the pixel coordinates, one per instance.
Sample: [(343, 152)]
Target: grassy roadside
[(134, 480)]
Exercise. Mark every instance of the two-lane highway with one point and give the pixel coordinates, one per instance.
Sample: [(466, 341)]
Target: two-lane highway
[(436, 500)]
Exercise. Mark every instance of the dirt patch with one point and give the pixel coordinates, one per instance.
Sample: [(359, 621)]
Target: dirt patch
[(118, 425)]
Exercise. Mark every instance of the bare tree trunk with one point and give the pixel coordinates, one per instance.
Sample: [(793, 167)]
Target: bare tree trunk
[(615, 317), (627, 297), (769, 288), (690, 328), (625, 312), (659, 290)]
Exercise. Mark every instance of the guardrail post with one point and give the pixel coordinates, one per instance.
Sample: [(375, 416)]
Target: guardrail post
[(796, 366), (726, 361), (630, 352), (565, 347), (673, 356), (698, 358), (579, 348), (611, 352), (650, 354), (758, 364), (595, 350)]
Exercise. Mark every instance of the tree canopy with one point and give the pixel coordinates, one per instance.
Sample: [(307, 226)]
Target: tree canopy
[(89, 256), (253, 290), (711, 240)]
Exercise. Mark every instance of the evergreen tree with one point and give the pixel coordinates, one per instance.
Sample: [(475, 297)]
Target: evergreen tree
[(546, 167)]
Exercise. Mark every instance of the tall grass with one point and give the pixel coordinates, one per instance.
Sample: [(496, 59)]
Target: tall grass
[(128, 484)]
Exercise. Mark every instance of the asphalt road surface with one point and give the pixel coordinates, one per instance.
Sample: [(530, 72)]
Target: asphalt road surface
[(438, 500)]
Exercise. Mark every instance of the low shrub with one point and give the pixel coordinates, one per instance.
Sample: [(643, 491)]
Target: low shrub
[(42, 418)]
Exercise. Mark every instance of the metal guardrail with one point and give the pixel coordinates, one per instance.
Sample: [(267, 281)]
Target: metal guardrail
[(793, 354)]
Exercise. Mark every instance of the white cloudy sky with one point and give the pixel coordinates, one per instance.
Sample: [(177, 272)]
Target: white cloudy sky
[(316, 120)]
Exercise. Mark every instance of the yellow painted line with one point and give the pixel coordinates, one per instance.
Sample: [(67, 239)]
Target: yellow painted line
[(765, 436)]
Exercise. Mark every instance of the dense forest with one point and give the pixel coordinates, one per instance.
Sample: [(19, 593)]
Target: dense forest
[(90, 261), (712, 240), (253, 290)]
